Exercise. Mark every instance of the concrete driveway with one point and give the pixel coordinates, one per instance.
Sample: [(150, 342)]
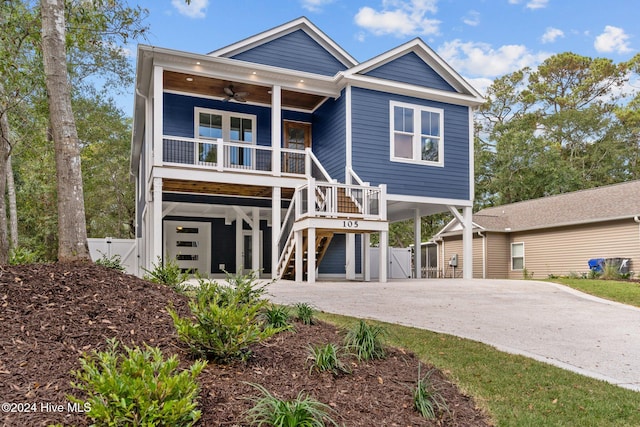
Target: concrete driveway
[(548, 322)]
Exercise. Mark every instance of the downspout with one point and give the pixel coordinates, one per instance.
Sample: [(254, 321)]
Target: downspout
[(637, 221), (484, 254)]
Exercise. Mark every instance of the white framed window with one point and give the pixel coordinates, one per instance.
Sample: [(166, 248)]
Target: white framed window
[(232, 127), (517, 256), (416, 134)]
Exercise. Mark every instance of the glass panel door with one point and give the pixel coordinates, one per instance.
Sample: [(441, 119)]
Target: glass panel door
[(297, 136)]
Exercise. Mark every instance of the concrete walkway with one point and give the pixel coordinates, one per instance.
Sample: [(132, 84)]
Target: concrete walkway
[(544, 321)]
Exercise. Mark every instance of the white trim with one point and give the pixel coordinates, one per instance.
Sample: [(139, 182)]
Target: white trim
[(411, 90), (427, 200), (472, 167), (511, 257), (226, 124), (301, 23), (348, 134), (416, 136)]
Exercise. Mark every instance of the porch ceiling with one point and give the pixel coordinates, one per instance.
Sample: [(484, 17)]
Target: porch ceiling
[(184, 186), (255, 93)]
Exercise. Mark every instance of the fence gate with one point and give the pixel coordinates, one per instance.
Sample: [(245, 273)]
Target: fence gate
[(108, 247)]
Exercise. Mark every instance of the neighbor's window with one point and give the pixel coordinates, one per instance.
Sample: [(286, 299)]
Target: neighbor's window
[(416, 133), (517, 256)]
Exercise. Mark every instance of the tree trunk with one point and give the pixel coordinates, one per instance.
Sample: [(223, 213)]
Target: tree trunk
[(4, 154), (13, 207), (72, 228)]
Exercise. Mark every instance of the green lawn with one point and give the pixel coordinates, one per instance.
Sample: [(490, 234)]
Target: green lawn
[(515, 390), (624, 292)]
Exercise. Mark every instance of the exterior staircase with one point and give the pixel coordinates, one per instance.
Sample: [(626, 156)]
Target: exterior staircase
[(326, 207)]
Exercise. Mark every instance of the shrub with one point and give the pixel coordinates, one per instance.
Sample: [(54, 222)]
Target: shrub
[(114, 262), (168, 273), (364, 341), (227, 320), (303, 411), (139, 388), (277, 316), (326, 358), (426, 399), (21, 255), (305, 313)]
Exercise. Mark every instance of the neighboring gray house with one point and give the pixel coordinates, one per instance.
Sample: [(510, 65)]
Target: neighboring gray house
[(283, 145), (551, 235)]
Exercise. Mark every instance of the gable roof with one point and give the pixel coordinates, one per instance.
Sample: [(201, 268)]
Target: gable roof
[(299, 24), (606, 203), (430, 58)]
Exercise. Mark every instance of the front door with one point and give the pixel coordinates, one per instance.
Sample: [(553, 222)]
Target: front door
[(188, 243), (297, 136), (247, 251)]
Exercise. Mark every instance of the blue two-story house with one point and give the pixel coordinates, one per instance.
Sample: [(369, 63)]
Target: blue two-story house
[(282, 154)]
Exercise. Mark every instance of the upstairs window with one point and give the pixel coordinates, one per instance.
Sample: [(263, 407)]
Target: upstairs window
[(416, 134)]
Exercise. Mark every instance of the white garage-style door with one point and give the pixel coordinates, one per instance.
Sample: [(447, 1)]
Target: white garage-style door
[(189, 243)]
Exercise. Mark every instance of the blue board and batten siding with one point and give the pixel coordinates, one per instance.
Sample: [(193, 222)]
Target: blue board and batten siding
[(411, 69), (294, 51), (371, 149)]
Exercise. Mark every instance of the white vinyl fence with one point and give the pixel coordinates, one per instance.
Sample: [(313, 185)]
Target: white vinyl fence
[(399, 263), (108, 247)]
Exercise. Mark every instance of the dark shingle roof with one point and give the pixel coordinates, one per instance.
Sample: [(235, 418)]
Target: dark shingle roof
[(592, 205)]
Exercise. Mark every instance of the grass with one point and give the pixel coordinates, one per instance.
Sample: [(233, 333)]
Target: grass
[(620, 291), (268, 410), (515, 390), (326, 358)]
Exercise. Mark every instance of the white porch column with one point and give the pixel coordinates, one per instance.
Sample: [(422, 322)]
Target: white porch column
[(366, 257), (350, 256), (384, 252), (299, 255), (311, 255), (276, 129), (156, 217), (255, 240), (417, 244), (467, 243), (276, 198), (239, 243), (157, 115)]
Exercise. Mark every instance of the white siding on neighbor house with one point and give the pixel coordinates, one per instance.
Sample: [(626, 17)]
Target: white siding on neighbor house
[(564, 250)]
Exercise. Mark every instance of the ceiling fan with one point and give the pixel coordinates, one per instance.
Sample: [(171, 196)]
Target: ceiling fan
[(232, 94)]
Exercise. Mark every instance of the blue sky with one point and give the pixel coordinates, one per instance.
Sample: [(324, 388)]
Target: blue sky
[(481, 39)]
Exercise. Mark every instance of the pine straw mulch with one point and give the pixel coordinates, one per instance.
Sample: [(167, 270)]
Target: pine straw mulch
[(51, 313)]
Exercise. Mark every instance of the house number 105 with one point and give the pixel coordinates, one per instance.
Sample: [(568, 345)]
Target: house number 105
[(350, 224)]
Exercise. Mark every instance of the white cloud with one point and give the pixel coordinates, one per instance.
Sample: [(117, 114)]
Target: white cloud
[(613, 39), (472, 18), (537, 4), (400, 18), (551, 34), (482, 60), (196, 9), (315, 5)]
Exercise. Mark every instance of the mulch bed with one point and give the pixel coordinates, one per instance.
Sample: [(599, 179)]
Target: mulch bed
[(51, 313)]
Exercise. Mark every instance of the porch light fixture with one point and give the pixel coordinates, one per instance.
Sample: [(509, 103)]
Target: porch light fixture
[(197, 62), (301, 81), (189, 79)]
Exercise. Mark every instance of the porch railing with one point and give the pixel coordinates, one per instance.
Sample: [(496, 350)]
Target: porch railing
[(229, 156)]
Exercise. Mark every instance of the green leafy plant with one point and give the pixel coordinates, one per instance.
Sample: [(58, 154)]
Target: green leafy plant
[(303, 411), (21, 255), (137, 387), (277, 316), (326, 358), (426, 399), (225, 321), (305, 313), (168, 273), (114, 262), (364, 341)]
